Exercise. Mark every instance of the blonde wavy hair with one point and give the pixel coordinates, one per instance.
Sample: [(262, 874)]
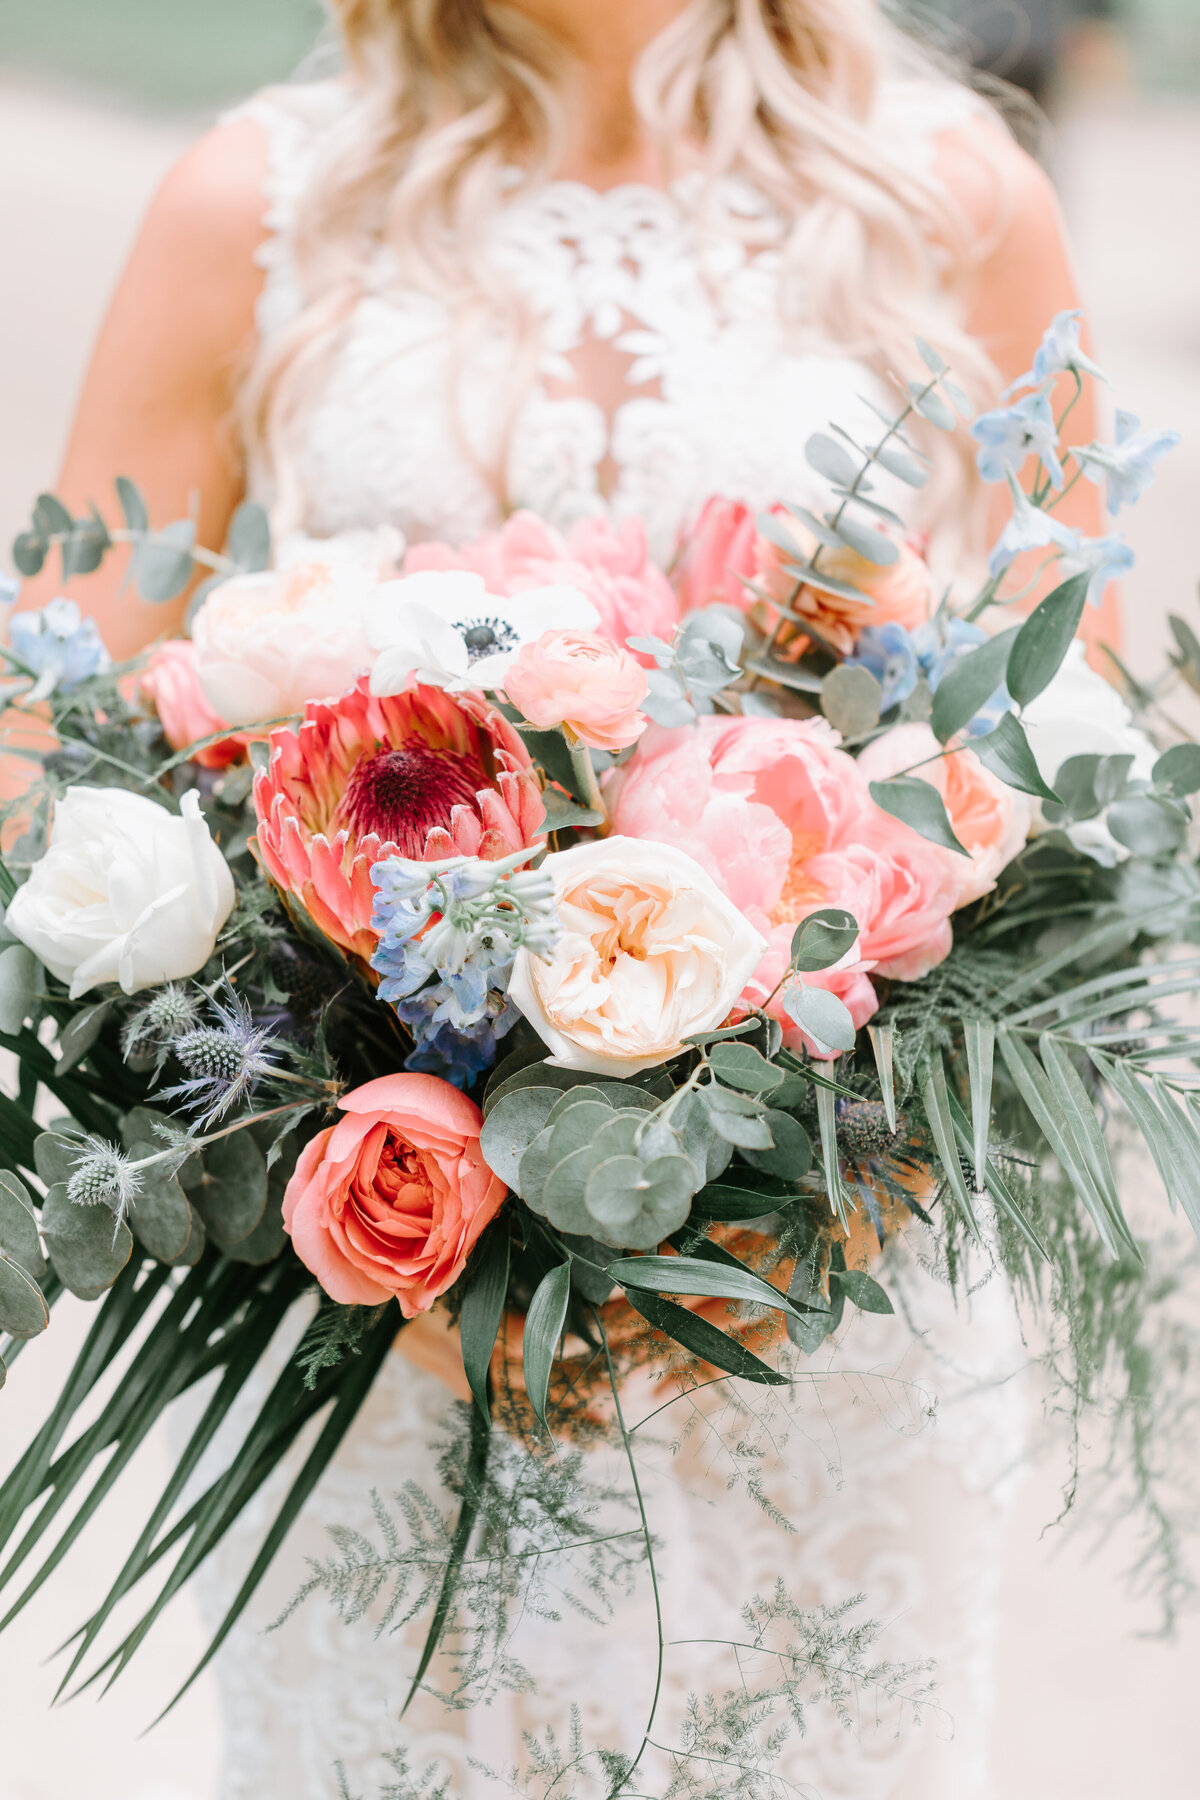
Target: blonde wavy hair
[(453, 95)]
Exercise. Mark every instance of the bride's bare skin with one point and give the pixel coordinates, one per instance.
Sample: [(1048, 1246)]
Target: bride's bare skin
[(159, 398)]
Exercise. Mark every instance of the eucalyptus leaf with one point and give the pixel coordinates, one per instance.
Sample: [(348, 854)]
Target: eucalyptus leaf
[(1178, 770), (1044, 639), (816, 526), (862, 1290), (931, 406), (790, 1156), (969, 684), (79, 1034), (86, 1245), (736, 1119), (29, 552), (830, 459), (563, 1194), (822, 939), (851, 699), (233, 1195), (55, 1157), (249, 541), (18, 1226), (873, 545), (902, 463), (162, 565), (575, 1127), (937, 365), (133, 505), (23, 1310), (511, 1126), (638, 1205), (160, 1215), (1005, 752), (543, 1329), (20, 987), (1148, 826), (741, 1066), (820, 1014), (918, 804)]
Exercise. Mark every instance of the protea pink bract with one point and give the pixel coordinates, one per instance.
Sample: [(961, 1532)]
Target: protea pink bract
[(422, 774)]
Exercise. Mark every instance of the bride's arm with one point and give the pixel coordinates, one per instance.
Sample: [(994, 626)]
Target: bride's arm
[(158, 400), (1023, 278)]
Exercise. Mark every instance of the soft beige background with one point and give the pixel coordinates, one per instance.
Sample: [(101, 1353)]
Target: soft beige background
[(73, 181)]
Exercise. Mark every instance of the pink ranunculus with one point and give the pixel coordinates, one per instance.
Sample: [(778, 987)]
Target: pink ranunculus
[(393, 1198), (582, 681), (608, 563), (898, 593), (422, 773), (990, 819), (781, 818), (170, 682), (716, 552)]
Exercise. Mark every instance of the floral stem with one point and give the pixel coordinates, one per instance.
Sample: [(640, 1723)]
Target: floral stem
[(585, 774)]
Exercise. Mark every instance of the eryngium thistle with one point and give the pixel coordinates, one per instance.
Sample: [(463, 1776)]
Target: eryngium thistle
[(103, 1176), (173, 1011), (863, 1128), (224, 1061)]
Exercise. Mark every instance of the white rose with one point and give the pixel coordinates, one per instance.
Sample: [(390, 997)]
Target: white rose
[(651, 953), (268, 644), (126, 892), (1081, 714)]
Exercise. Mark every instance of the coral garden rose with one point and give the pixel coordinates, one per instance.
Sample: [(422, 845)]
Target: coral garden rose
[(126, 892), (990, 819), (171, 684), (898, 593), (651, 952), (584, 682), (608, 564), (781, 818), (392, 1199), (268, 644), (422, 774)]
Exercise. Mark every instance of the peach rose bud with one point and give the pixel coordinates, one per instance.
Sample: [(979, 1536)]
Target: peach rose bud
[(392, 1200), (582, 681)]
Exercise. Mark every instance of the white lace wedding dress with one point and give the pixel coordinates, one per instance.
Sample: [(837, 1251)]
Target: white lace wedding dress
[(898, 1459)]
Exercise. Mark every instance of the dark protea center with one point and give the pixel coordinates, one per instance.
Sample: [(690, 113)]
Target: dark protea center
[(400, 795)]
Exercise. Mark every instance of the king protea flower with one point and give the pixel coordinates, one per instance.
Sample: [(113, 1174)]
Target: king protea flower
[(422, 774)]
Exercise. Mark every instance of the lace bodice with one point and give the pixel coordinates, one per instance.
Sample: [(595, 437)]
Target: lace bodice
[(671, 310)]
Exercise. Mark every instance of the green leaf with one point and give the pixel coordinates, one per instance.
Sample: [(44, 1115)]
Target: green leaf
[(18, 1226), (851, 698), (980, 1035), (935, 1096), (23, 1310), (543, 1329), (1169, 1135), (51, 517), (995, 1185), (636, 1205), (29, 553), (249, 541), (735, 1118), (232, 1197), (565, 814), (882, 1043), (1148, 826), (1044, 639), (918, 804), (827, 1130), (55, 1157), (79, 1034), (903, 463), (86, 1245), (160, 1217), (702, 1338), (698, 1276), (732, 1202), (931, 406), (718, 1037), (822, 939), (790, 1156), (20, 986), (1079, 1112), (741, 1066), (862, 1290), (1178, 770), (137, 513), (969, 683), (510, 1127), (162, 565), (825, 1018), (831, 459), (1045, 1103), (576, 1126), (1006, 753), (483, 1310)]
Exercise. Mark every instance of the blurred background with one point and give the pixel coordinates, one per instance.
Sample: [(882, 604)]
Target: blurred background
[(97, 98)]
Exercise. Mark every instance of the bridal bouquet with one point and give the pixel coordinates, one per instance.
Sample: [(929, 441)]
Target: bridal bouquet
[(609, 958)]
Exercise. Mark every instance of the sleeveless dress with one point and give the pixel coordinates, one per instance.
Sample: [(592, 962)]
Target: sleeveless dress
[(895, 1462)]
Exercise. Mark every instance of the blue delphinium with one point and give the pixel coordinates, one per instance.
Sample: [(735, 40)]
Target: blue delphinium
[(1010, 435), (945, 640), (889, 652), (1126, 468), (1102, 559), (58, 646), (1059, 353), (448, 935), (1030, 528)]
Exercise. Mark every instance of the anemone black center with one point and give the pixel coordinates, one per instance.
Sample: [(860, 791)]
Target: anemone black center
[(403, 794), (486, 637)]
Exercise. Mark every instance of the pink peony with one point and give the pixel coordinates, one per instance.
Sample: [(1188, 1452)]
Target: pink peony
[(990, 819), (782, 820), (608, 563), (585, 682), (718, 550), (171, 684), (421, 774), (392, 1199)]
